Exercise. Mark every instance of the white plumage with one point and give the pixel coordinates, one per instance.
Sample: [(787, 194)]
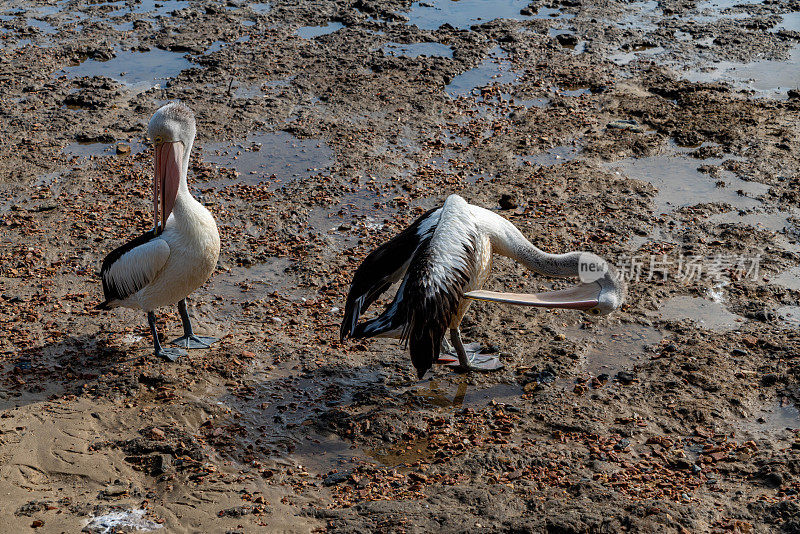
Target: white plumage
[(161, 268), (442, 256)]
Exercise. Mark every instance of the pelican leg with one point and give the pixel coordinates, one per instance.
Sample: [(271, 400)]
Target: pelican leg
[(473, 361), (449, 356), (189, 340), (170, 354)]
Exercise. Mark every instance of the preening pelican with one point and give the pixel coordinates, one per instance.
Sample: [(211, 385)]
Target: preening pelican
[(443, 260), (163, 265)]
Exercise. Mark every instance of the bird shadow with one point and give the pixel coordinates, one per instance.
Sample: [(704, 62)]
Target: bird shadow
[(70, 366), (333, 416)]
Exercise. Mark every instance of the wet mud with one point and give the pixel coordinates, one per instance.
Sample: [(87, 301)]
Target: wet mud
[(661, 135)]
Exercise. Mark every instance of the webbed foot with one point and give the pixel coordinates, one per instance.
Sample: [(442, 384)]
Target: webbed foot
[(170, 354), (193, 342)]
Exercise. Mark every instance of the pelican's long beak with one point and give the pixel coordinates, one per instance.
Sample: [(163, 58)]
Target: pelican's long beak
[(600, 297), (580, 297), (169, 158)]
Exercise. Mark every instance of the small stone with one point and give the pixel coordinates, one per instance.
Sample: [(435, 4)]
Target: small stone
[(769, 380), (158, 433), (622, 444), (739, 352), (37, 523), (567, 39), (123, 149), (508, 202), (750, 341), (626, 377), (773, 480), (530, 387)]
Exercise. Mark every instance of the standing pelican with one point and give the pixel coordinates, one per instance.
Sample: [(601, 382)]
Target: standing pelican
[(445, 256), (163, 265)]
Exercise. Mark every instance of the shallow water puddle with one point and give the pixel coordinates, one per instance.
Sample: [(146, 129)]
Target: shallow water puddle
[(711, 11), (262, 155), (151, 7), (140, 70), (41, 25), (248, 91), (638, 52), (123, 26), (312, 32), (530, 102), (572, 90), (262, 8), (767, 78), (773, 420), (614, 348), (87, 150), (789, 315), (259, 281), (496, 68), (789, 22), (642, 17), (680, 183), (417, 49), (789, 279), (706, 314), (430, 15), (216, 46), (458, 392), (721, 5), (779, 221), (92, 149)]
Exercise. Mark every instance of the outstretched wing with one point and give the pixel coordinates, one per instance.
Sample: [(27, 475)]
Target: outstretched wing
[(132, 266), (384, 266)]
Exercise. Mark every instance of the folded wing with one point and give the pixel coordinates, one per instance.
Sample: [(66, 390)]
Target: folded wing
[(132, 267)]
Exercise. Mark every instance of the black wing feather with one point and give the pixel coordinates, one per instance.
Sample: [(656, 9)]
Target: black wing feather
[(379, 271), (423, 309), (111, 291), (428, 313)]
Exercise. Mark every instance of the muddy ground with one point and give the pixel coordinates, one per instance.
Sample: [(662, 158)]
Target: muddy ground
[(664, 130)]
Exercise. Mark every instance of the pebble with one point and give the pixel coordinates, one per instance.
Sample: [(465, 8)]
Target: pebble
[(625, 377), (508, 202), (769, 379)]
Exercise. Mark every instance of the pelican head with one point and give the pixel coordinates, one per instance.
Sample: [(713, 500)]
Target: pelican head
[(172, 131), (612, 293)]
